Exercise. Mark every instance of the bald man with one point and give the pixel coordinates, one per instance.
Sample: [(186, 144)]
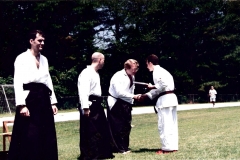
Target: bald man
[(94, 130)]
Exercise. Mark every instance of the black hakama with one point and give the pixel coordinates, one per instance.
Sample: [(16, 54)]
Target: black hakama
[(34, 137), (119, 119), (95, 136)]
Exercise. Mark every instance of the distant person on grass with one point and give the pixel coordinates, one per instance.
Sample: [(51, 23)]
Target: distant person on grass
[(34, 134), (212, 95), (166, 104), (94, 129)]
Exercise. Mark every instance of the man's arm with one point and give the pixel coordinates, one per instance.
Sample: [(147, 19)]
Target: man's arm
[(19, 73), (117, 84), (84, 91), (50, 86)]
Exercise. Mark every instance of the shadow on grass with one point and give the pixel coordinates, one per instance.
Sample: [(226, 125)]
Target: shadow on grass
[(78, 158), (137, 151), (145, 150)]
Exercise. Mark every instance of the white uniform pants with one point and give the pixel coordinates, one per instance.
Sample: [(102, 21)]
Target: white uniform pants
[(168, 128)]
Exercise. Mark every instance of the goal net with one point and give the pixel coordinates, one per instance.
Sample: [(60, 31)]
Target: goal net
[(7, 98)]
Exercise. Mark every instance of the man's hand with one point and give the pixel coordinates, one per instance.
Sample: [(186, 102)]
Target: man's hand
[(137, 96), (150, 86), (55, 109), (24, 111), (86, 112), (144, 97)]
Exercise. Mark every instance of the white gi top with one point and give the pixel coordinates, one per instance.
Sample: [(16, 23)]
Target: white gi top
[(26, 71), (163, 81), (120, 88), (88, 84), (212, 93)]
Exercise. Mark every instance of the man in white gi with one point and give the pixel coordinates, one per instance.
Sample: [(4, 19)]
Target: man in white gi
[(34, 134), (94, 129), (166, 104), (212, 95), (120, 100)]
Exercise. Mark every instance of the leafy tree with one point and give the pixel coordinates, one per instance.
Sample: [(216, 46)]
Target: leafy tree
[(197, 41)]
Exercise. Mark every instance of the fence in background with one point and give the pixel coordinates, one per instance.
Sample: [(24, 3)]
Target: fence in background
[(197, 98), (70, 102)]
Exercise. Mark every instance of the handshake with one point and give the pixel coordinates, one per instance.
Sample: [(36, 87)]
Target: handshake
[(141, 97)]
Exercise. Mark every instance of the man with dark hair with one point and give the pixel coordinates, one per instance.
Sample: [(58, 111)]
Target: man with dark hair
[(94, 130), (163, 91), (120, 100), (32, 34), (34, 134)]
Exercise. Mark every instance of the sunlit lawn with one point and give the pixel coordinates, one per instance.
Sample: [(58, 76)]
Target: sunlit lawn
[(203, 134), (7, 114)]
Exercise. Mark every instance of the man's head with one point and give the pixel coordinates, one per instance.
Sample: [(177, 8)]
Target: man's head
[(151, 61), (212, 87), (98, 59), (131, 66), (36, 39)]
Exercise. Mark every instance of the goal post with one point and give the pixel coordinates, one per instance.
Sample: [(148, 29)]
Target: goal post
[(7, 98)]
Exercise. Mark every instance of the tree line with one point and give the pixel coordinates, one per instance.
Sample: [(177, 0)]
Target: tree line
[(197, 41)]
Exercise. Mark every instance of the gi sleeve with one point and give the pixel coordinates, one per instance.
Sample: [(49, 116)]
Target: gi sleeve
[(84, 86), (120, 89), (160, 85), (20, 70), (50, 84)]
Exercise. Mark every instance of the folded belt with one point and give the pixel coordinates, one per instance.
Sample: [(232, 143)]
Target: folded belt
[(95, 98), (161, 94), (36, 87), (166, 92)]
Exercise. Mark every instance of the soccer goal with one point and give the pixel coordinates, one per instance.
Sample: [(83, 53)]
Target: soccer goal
[(7, 98)]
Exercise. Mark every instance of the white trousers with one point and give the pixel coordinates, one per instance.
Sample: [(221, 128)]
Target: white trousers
[(168, 128)]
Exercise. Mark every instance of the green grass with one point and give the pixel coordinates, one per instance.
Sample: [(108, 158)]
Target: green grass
[(203, 134), (7, 114)]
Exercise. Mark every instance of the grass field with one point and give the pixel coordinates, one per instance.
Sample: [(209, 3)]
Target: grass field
[(203, 134)]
